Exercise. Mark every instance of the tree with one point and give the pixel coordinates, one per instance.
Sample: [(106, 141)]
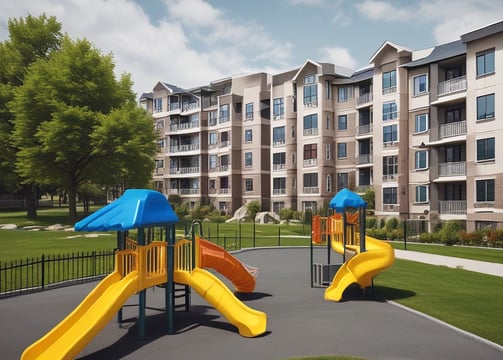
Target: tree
[(30, 39), (75, 123)]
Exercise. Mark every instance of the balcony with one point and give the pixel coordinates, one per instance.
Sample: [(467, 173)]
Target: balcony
[(311, 190), (452, 129), (189, 191), (390, 207), (173, 107), (190, 106), (311, 132), (452, 86), (364, 159), (363, 130), (390, 178), (224, 191), (183, 148), (277, 167), (456, 207), (184, 126), (279, 191), (184, 171), (364, 99), (457, 168)]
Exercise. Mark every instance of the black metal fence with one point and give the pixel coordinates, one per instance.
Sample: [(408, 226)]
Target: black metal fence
[(45, 272)]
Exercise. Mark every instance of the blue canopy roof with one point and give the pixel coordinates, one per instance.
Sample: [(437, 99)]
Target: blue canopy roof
[(134, 209), (346, 199)]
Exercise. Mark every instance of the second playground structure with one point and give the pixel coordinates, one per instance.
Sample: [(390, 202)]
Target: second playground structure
[(144, 263), (363, 256)]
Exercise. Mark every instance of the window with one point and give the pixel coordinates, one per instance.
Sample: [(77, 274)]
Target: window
[(278, 108), (278, 135), (311, 124), (485, 63), (342, 151), (342, 122), (389, 111), (342, 181), (421, 160), (248, 184), (224, 113), (420, 84), (249, 111), (310, 94), (389, 167), (328, 151), (310, 151), (485, 190), (485, 107), (421, 194), (485, 149), (212, 138), (342, 94), (328, 124), (311, 180), (278, 160), (248, 159), (390, 134), (159, 164), (328, 89), (309, 79), (389, 195), (279, 186), (212, 161), (248, 135), (328, 182), (389, 82), (158, 105), (224, 139), (421, 123)]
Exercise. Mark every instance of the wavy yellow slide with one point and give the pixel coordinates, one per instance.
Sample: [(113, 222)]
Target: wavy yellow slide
[(250, 322), (74, 332), (361, 268)]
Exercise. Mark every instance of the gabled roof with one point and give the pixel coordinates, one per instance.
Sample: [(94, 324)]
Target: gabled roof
[(147, 96), (387, 44), (326, 69), (441, 52)]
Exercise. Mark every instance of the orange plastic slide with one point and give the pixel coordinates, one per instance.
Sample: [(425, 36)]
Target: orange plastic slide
[(214, 257), (361, 268)]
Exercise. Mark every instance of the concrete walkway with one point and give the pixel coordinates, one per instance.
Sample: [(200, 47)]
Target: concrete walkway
[(452, 262)]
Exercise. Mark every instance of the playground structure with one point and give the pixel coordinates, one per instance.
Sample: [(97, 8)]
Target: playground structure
[(363, 257), (144, 263)]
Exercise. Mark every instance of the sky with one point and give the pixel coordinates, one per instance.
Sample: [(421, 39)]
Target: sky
[(189, 43)]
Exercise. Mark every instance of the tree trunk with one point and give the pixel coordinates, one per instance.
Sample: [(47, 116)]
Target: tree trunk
[(30, 201), (72, 203)]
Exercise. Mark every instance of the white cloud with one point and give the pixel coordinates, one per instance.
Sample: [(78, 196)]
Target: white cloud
[(384, 11), (307, 2), (338, 56)]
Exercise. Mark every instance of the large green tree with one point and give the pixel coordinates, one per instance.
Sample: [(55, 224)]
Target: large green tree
[(76, 123), (30, 39)]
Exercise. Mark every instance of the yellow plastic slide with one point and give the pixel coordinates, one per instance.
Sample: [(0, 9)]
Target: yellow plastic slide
[(249, 322), (73, 333), (361, 268)]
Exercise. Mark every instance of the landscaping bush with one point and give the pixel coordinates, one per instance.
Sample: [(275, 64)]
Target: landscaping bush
[(449, 234)]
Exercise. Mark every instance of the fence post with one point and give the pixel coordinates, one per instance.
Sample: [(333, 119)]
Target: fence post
[(42, 272), (279, 236), (254, 235), (405, 234)]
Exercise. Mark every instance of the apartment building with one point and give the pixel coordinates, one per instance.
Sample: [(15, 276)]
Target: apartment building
[(419, 127)]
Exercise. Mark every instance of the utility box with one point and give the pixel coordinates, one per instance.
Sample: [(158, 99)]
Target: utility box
[(324, 273)]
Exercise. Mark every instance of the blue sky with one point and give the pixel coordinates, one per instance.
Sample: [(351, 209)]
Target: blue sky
[(191, 42)]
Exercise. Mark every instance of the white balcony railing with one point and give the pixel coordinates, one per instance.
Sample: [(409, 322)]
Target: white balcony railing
[(452, 207), (311, 190), (278, 191), (311, 131), (277, 167), (452, 129), (183, 171), (364, 99), (451, 86), (457, 168), (364, 129), (310, 162), (364, 159), (389, 177)]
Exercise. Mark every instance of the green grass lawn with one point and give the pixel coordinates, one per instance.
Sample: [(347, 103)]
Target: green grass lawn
[(465, 299)]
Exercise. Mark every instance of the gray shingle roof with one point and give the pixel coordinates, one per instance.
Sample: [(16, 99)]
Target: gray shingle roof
[(440, 52)]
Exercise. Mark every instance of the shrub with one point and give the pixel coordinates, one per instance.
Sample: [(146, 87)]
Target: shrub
[(449, 234)]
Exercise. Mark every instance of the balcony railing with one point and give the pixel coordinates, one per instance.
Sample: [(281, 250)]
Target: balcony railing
[(181, 148), (390, 207), (174, 107), (188, 106), (278, 191), (457, 168), (310, 162), (389, 177), (224, 190), (189, 191), (184, 126), (364, 159), (277, 167), (185, 170), (452, 207), (278, 142), (452, 86), (452, 129), (311, 190), (311, 131), (364, 129), (364, 99)]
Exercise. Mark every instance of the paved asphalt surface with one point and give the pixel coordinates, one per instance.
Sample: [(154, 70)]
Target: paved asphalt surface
[(300, 322)]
